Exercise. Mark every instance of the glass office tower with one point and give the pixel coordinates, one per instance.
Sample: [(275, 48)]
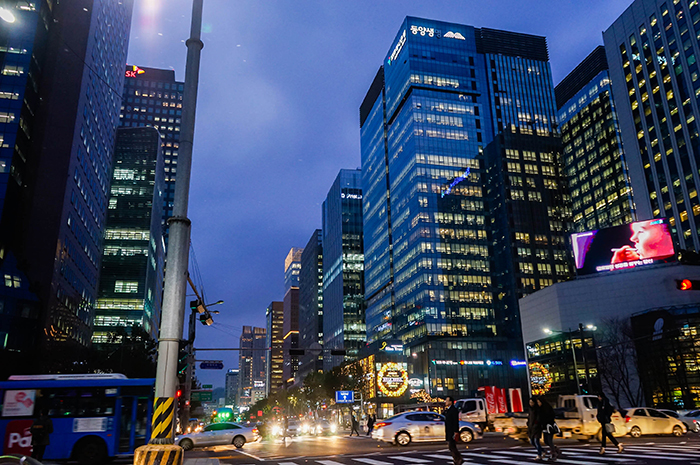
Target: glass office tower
[(274, 342), (61, 64), (152, 97), (131, 279), (445, 90), (594, 161), (652, 51), (343, 269), (251, 366), (311, 304)]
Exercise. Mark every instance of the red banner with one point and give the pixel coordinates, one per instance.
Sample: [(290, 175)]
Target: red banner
[(501, 400), (516, 399), (490, 397)]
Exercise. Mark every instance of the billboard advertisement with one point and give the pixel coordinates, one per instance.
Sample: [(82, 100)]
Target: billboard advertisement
[(623, 247)]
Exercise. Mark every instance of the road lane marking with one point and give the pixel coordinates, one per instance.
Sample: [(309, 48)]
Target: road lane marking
[(410, 459), (373, 462), (436, 456), (250, 455), (329, 462), (286, 463)]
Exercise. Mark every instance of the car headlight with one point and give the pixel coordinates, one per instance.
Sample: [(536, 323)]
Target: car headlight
[(276, 430), (334, 428), (305, 428)]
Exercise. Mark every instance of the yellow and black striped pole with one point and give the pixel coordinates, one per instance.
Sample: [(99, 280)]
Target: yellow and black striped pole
[(163, 420), (158, 455)]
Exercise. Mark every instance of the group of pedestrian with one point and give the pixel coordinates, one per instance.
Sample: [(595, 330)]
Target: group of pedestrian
[(355, 425), (541, 422)]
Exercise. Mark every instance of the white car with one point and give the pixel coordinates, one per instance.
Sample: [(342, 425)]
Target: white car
[(642, 420), (418, 426), (219, 434)]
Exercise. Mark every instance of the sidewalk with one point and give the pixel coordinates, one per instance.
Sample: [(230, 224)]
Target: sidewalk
[(207, 461)]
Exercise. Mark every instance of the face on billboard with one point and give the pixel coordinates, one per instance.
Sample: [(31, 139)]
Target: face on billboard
[(623, 247)]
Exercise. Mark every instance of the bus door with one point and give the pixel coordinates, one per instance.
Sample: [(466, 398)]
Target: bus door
[(134, 420)]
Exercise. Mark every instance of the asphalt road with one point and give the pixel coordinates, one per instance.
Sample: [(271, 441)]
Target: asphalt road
[(492, 449)]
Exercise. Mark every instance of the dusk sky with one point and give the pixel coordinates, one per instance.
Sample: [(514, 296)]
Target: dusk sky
[(281, 82)]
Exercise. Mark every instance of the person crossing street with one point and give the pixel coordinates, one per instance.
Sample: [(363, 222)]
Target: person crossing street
[(452, 429), (605, 411)]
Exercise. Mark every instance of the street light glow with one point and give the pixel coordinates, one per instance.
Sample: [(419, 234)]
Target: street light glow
[(591, 327), (7, 15), (547, 331)]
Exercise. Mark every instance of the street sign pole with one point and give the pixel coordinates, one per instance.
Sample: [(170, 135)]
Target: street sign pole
[(179, 244)]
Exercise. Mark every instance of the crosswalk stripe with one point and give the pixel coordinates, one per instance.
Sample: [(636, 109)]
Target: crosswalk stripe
[(373, 462), (658, 450), (606, 457), (286, 463), (409, 459), (437, 456), (509, 462), (653, 456), (329, 462), (576, 462)]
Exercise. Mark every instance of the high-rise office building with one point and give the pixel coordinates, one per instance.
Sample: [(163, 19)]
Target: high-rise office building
[(311, 305), (152, 97), (445, 90), (232, 387), (290, 329), (592, 154), (131, 278), (343, 268), (274, 343), (251, 366), (61, 63), (652, 51), (292, 266), (530, 220)]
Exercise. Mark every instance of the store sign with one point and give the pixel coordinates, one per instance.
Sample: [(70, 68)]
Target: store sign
[(19, 403), (518, 363), (392, 379), (18, 437), (399, 46), (259, 384), (454, 35), (415, 382), (489, 363), (423, 31), (391, 347), (134, 71), (343, 195)]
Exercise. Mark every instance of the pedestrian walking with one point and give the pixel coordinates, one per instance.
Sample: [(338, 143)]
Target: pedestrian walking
[(534, 431), (605, 411), (355, 425), (370, 423), (41, 429), (452, 429), (549, 426)]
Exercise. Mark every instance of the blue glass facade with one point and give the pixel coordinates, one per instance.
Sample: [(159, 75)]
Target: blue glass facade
[(444, 92), (652, 51), (343, 268), (60, 185)]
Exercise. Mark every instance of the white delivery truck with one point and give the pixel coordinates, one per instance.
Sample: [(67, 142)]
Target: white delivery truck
[(576, 418), (473, 410)]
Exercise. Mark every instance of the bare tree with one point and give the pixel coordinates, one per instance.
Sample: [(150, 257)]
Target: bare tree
[(618, 363)]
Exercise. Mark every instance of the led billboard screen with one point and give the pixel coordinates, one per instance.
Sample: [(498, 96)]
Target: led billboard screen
[(623, 247)]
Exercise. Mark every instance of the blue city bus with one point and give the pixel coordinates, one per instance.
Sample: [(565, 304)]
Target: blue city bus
[(95, 417)]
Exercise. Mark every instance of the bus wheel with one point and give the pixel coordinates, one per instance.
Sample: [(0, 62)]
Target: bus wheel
[(90, 451)]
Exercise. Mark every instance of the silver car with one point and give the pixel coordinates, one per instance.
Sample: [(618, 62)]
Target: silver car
[(407, 427), (690, 419), (219, 434), (642, 420)]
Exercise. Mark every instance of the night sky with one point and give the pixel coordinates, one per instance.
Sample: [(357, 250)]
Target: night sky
[(280, 86)]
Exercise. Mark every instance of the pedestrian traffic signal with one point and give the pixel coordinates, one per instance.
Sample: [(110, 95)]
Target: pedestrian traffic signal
[(688, 284)]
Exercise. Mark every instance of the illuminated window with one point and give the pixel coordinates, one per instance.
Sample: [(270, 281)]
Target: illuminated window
[(126, 287)]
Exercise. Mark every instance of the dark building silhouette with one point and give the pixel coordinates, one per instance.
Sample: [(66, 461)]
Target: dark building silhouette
[(311, 305)]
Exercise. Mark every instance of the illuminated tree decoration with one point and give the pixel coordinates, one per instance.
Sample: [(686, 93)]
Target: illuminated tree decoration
[(392, 380), (423, 396), (540, 379)]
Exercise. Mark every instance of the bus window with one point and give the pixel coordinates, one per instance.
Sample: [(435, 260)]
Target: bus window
[(76, 402)]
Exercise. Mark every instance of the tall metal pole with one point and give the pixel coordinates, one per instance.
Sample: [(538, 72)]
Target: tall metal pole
[(179, 241), (573, 354)]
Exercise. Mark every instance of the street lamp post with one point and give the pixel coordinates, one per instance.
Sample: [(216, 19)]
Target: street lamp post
[(570, 333), (178, 248)]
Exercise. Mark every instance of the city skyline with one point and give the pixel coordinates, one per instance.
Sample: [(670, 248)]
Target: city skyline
[(272, 187)]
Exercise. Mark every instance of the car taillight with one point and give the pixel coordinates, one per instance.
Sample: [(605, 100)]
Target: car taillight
[(383, 423), (627, 419), (255, 431)]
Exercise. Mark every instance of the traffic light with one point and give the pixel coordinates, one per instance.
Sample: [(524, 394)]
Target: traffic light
[(183, 355), (688, 284), (178, 393), (196, 306)]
